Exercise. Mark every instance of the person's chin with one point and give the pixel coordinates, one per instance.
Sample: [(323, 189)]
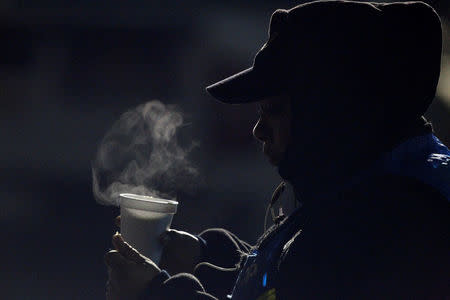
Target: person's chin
[(273, 160)]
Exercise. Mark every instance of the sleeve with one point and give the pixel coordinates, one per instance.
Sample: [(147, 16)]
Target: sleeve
[(181, 286), (215, 275)]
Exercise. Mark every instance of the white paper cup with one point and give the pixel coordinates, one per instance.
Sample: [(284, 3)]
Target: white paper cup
[(142, 221)]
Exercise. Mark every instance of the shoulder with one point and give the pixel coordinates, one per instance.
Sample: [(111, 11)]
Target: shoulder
[(423, 158)]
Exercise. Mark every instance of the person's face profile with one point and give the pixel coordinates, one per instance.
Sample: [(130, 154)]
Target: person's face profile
[(273, 128)]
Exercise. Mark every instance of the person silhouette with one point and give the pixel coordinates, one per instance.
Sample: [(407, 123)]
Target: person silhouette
[(342, 87)]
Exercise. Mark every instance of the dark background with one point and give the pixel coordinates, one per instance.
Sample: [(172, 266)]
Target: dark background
[(68, 69)]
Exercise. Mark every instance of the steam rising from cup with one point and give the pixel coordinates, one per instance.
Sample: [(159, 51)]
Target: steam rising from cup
[(141, 155), (139, 165)]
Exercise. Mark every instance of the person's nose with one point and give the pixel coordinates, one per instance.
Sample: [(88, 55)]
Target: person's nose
[(260, 130)]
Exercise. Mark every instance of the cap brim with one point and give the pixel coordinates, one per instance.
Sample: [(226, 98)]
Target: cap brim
[(244, 87)]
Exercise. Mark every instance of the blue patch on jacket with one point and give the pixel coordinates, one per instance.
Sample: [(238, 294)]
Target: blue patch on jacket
[(424, 158)]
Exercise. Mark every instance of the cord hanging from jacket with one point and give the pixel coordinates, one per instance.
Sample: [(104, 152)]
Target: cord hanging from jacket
[(275, 196)]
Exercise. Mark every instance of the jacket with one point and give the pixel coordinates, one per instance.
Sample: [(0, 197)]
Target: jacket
[(384, 234)]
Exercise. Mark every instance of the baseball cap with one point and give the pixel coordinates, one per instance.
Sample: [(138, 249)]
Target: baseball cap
[(390, 48)]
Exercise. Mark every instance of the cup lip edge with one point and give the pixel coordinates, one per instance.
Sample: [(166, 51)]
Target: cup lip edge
[(154, 200)]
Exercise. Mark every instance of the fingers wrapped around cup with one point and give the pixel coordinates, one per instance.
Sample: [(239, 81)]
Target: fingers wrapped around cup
[(129, 272)]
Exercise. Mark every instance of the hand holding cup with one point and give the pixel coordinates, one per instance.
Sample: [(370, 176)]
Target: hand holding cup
[(129, 272), (181, 250)]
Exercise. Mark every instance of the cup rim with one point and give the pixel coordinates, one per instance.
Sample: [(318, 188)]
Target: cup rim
[(148, 203)]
